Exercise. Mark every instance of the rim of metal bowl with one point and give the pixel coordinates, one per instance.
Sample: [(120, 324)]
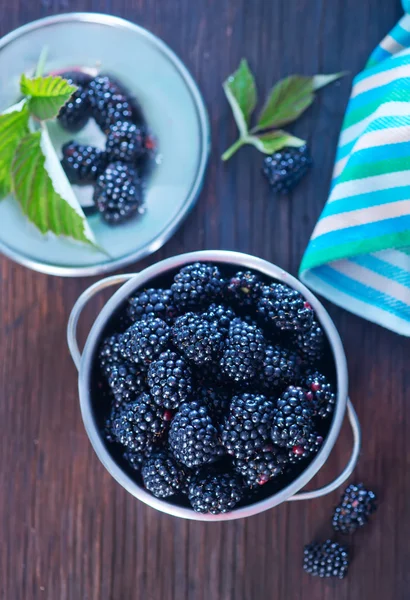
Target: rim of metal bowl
[(204, 147), (240, 260)]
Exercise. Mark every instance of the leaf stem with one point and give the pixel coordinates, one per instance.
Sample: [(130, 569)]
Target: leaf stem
[(234, 148), (41, 62)]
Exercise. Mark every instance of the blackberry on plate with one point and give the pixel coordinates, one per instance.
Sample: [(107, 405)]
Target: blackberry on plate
[(197, 339), (319, 393), (215, 493), (75, 113), (355, 508), (284, 308), (326, 560), (111, 103), (162, 475), (263, 466), (196, 285), (305, 448), (217, 401), (125, 142), (82, 164), (151, 303), (118, 193), (170, 380), (144, 341), (244, 351), (193, 438), (279, 368), (243, 289), (311, 343), (220, 316), (247, 427), (293, 418), (285, 168)]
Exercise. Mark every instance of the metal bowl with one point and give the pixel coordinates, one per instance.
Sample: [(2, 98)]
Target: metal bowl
[(84, 365)]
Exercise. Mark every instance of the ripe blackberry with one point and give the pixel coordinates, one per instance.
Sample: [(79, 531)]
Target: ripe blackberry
[(162, 475), (220, 316), (135, 459), (82, 164), (111, 103), (285, 168), (125, 142), (280, 368), (217, 402), (319, 393), (244, 351), (326, 560), (246, 429), (118, 193), (306, 448), (197, 339), (75, 113), (125, 379), (354, 510), (215, 493), (170, 380), (311, 343), (193, 437), (151, 303), (284, 309), (263, 466), (244, 289), (144, 341), (196, 285), (293, 418)]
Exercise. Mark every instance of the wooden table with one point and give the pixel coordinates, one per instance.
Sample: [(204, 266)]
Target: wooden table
[(68, 531)]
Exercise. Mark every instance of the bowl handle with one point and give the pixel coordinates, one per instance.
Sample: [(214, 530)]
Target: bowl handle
[(78, 309), (357, 438)]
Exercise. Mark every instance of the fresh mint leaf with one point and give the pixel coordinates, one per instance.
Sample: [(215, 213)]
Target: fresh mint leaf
[(43, 191), (46, 95), (240, 90), (273, 141), (13, 127)]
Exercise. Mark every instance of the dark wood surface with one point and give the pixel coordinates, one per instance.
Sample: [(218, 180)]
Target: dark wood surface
[(67, 530)]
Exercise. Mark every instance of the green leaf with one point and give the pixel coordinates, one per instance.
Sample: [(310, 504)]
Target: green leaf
[(272, 141), (13, 127), (240, 90), (46, 95), (43, 191)]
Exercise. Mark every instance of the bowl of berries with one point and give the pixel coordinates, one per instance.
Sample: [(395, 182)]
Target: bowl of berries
[(213, 385)]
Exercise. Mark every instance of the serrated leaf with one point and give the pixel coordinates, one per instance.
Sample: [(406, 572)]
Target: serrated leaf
[(272, 141), (240, 90), (43, 191), (13, 127), (46, 95)]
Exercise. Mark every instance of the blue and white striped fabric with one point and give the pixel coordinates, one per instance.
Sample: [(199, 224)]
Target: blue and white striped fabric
[(359, 253)]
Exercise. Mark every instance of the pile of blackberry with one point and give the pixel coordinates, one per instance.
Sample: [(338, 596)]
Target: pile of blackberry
[(218, 394), (117, 172)]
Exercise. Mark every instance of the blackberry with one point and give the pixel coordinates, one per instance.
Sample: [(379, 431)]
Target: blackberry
[(161, 474), (319, 393), (197, 339), (124, 378), (196, 285), (293, 418), (244, 351), (118, 193), (135, 458), (111, 103), (220, 316), (311, 343), (193, 438), (284, 308), (261, 467), (82, 164), (280, 368), (109, 355), (244, 289), (170, 380), (144, 341), (215, 493), (76, 112), (125, 142), (246, 429), (285, 168), (151, 303), (354, 510), (217, 401), (326, 560), (306, 448)]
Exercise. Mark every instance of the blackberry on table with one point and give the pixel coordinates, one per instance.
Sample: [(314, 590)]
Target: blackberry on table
[(162, 475), (111, 103), (151, 303), (196, 285), (170, 380), (125, 142), (118, 193), (306, 448), (82, 164), (215, 493), (293, 418), (284, 308), (145, 340), (279, 368), (320, 393), (311, 343), (285, 168), (244, 351), (220, 316), (262, 466), (197, 339), (244, 288), (217, 401), (76, 112), (193, 438), (326, 560), (356, 506)]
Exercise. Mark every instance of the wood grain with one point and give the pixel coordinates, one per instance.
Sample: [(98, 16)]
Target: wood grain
[(68, 531)]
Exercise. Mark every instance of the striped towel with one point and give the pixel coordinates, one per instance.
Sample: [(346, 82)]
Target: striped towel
[(359, 253)]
